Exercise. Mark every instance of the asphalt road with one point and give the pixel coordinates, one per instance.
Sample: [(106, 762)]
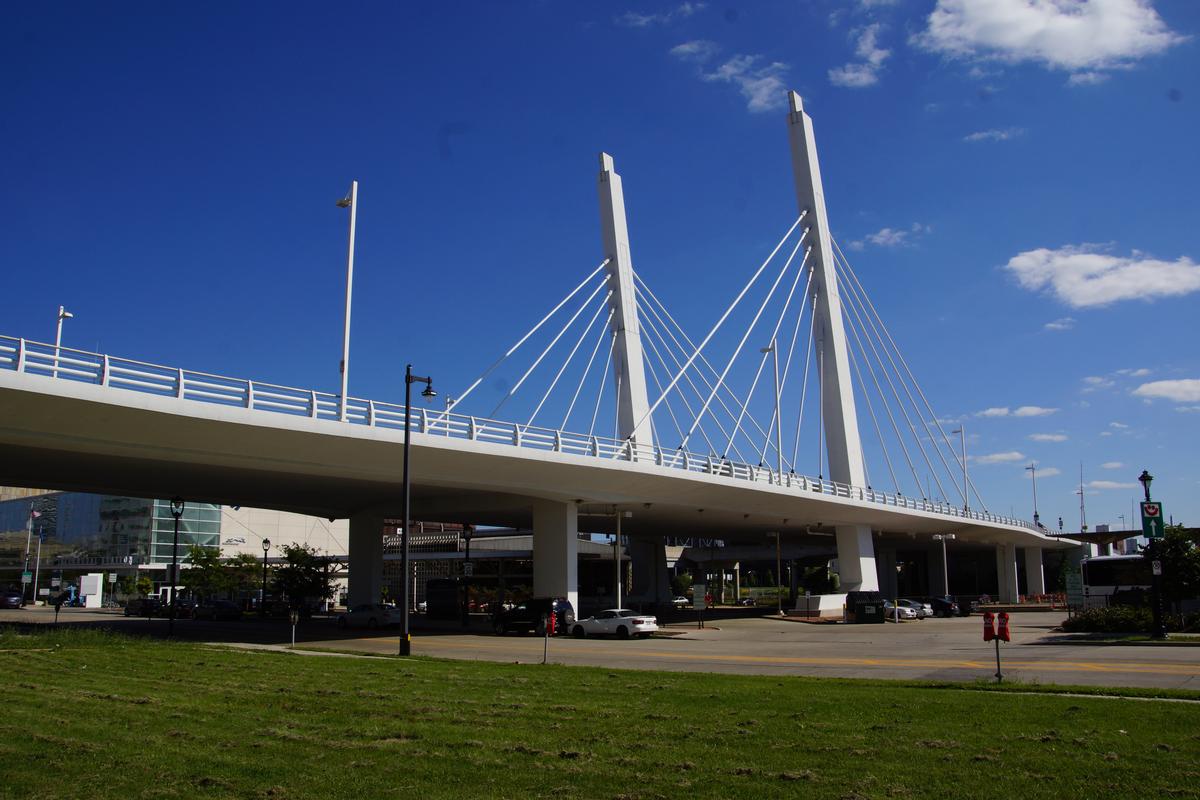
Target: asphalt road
[(934, 649)]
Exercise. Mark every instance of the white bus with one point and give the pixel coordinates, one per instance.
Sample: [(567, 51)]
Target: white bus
[(1103, 576)]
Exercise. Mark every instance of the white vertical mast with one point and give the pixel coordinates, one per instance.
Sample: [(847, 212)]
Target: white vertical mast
[(632, 402)]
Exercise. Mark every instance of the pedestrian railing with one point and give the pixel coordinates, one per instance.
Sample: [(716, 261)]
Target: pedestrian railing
[(67, 364)]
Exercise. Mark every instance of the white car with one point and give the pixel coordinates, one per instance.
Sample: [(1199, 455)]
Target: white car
[(619, 622), (889, 611), (370, 615), (923, 609), (681, 602)]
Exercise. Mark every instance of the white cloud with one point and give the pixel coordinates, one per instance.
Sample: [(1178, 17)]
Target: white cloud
[(1134, 373), (888, 237), (858, 75), (1187, 409), (1033, 411), (1083, 37), (994, 135), (1118, 425), (1081, 276), (1110, 485), (696, 50), (1112, 465), (632, 19), (1094, 383), (994, 412), (892, 237), (998, 458), (1060, 324), (1048, 437), (1186, 390), (762, 85), (1044, 472), (1087, 78)]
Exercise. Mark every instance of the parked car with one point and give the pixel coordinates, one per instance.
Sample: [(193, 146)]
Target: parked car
[(370, 615), (144, 607), (923, 609), (220, 610), (890, 611), (945, 606), (529, 615), (747, 601), (681, 602), (619, 622), (11, 598)]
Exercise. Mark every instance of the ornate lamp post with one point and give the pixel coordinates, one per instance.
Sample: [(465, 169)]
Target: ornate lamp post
[(1152, 552), (262, 593), (176, 512), (428, 393)]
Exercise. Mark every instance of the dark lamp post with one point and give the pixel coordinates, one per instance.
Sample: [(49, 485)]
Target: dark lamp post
[(467, 570), (428, 393), (1144, 479), (262, 593), (176, 512)]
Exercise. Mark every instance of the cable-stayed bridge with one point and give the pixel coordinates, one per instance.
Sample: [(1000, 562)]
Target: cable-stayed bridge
[(748, 427)]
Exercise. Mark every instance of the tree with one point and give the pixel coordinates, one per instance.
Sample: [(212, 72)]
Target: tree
[(304, 576), (144, 586), (207, 576), (1181, 565), (126, 584)]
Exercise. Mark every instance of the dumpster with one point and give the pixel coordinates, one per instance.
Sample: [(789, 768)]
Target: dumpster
[(864, 607)]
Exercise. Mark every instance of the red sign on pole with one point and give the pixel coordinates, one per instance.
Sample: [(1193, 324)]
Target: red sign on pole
[(989, 626), (1002, 633)]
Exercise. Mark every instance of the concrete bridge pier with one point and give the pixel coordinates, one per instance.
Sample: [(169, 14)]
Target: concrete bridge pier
[(366, 558), (885, 564), (856, 558), (1006, 572), (1035, 576), (648, 555), (556, 550)]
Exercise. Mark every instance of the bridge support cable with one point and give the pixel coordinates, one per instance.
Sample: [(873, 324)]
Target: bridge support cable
[(708, 338), (812, 331), (787, 368), (656, 333), (582, 307), (658, 383), (737, 351), (862, 349), (932, 414), (878, 431), (762, 362), (603, 382), (587, 369), (654, 306), (523, 339), (857, 303), (570, 356)]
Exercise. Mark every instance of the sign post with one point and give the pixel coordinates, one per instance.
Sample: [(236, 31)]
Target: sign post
[(1152, 520)]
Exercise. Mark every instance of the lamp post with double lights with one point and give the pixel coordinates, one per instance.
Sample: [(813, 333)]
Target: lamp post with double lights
[(176, 512), (943, 538), (350, 201), (428, 393), (1152, 553), (262, 592), (62, 314)]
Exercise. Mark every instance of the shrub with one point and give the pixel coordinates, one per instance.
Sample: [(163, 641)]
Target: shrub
[(1128, 619)]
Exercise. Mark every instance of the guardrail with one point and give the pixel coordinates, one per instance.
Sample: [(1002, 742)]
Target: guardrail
[(37, 358)]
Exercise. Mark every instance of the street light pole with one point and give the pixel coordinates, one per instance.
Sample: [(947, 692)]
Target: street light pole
[(262, 592), (943, 538), (1032, 468), (428, 393), (349, 201), (176, 512), (1160, 629), (467, 570), (778, 573), (961, 430), (617, 557), (62, 314)]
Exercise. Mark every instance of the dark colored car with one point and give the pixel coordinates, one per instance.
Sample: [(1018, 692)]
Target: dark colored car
[(11, 598), (144, 607), (529, 615), (220, 610), (944, 606)]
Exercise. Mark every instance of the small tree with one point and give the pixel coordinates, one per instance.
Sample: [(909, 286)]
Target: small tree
[(144, 586), (304, 576), (1181, 565), (207, 576)]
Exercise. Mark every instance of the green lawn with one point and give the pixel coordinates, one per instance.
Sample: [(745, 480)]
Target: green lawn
[(99, 716)]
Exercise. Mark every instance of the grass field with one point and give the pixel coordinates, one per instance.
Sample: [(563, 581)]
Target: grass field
[(100, 716)]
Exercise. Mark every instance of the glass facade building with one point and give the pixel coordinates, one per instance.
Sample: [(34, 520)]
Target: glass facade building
[(138, 531)]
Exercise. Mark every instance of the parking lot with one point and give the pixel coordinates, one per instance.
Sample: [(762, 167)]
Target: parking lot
[(933, 649)]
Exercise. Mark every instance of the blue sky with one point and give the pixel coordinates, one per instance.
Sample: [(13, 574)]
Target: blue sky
[(1013, 181)]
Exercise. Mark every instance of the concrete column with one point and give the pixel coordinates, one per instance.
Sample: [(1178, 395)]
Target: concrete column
[(1006, 572), (649, 557), (937, 575), (856, 559), (1035, 577), (556, 550), (366, 558)]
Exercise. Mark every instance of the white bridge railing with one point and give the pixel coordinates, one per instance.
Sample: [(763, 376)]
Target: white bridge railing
[(36, 358)]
